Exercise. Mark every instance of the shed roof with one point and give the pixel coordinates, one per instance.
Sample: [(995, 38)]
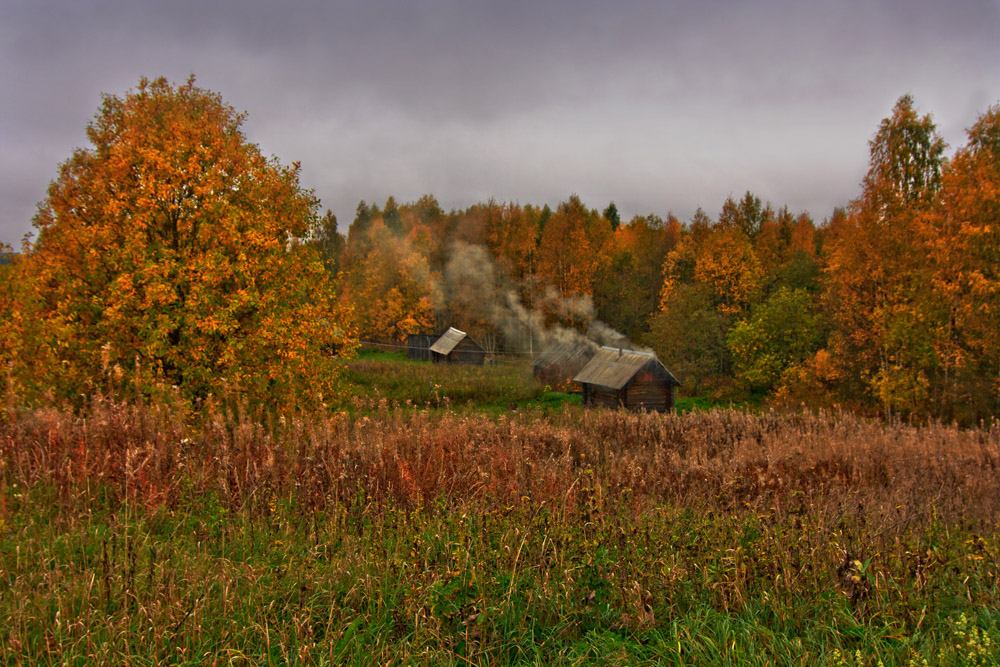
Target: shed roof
[(448, 340), (613, 367)]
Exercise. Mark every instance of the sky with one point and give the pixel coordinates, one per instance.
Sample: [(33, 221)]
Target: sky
[(661, 107)]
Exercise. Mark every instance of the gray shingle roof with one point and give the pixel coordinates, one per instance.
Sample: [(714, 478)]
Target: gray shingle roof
[(614, 367), (566, 353)]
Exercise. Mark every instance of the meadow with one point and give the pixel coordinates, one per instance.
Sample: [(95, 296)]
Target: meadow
[(531, 531)]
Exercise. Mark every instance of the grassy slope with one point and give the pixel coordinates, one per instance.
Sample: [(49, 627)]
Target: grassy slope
[(378, 376)]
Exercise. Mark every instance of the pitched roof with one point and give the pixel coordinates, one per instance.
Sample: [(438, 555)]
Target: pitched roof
[(613, 367), (448, 340), (566, 352)]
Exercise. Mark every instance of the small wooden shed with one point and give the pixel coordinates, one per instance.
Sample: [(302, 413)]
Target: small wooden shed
[(456, 347), (616, 377), (418, 346), (560, 363)]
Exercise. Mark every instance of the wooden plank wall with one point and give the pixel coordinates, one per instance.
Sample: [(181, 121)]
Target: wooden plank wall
[(467, 352), (418, 347), (643, 393), (647, 394), (606, 397)]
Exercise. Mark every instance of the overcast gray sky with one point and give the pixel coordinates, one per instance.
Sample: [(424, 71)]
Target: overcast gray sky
[(659, 106)]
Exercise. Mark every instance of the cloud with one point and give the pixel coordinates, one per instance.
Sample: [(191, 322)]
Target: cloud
[(659, 106)]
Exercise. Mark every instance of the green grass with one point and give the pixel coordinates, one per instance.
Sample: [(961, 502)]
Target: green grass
[(378, 376), (373, 354), (368, 584), (545, 403), (388, 379), (704, 403), (688, 403)]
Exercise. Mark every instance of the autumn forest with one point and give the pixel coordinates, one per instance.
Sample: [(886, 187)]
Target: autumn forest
[(890, 305)]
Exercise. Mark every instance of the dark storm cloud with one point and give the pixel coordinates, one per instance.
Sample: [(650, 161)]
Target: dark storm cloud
[(659, 106)]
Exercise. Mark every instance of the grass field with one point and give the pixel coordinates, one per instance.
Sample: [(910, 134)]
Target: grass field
[(378, 376), (382, 379), (456, 534)]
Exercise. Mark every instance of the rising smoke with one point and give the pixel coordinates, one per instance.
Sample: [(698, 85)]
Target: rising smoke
[(477, 288)]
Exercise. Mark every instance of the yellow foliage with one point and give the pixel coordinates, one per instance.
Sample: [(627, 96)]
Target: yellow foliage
[(726, 262), (390, 286), (168, 249)]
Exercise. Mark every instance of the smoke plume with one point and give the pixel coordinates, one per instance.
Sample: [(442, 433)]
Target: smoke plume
[(475, 287)]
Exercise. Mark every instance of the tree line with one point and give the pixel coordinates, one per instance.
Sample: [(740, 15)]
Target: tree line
[(171, 253), (891, 304)]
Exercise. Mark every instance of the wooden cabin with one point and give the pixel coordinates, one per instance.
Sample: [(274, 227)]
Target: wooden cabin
[(560, 363), (616, 377), (418, 346), (456, 347)]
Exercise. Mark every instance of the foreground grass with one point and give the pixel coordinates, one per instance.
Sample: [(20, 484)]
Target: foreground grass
[(366, 585), (131, 535)]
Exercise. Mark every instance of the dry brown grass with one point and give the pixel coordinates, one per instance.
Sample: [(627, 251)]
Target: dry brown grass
[(721, 460)]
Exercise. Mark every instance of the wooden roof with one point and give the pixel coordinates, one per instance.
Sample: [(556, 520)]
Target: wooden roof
[(614, 367), (565, 353), (448, 340)]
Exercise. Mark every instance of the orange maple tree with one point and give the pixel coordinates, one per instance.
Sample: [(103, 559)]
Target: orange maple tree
[(168, 251)]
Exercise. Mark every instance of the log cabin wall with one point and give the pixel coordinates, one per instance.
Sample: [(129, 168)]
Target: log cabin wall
[(467, 352), (647, 393), (604, 396)]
